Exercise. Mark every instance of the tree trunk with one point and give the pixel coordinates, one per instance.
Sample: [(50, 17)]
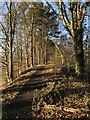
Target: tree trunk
[(11, 44), (7, 66), (45, 54), (32, 35), (26, 47), (21, 58), (17, 57), (79, 52), (42, 44)]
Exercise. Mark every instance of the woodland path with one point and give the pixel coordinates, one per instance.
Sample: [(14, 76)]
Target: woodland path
[(24, 86), (37, 82)]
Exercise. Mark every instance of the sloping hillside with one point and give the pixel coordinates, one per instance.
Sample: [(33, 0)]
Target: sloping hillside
[(46, 91)]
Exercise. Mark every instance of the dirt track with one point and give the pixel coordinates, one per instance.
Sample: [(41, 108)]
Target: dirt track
[(20, 106), (18, 95)]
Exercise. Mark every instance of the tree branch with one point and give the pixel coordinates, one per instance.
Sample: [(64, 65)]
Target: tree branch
[(65, 13), (63, 18), (3, 30), (83, 11)]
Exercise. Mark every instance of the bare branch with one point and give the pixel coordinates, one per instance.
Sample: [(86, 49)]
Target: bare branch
[(7, 5), (65, 13), (63, 18), (83, 11), (4, 30), (5, 33)]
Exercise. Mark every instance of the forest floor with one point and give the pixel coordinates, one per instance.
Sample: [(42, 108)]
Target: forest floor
[(46, 92)]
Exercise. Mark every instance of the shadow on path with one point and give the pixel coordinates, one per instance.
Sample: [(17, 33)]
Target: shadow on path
[(21, 106)]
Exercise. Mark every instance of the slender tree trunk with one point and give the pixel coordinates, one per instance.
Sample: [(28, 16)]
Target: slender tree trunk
[(18, 57), (42, 44), (45, 54), (38, 56), (17, 51), (32, 41), (20, 50), (11, 44), (26, 47), (45, 47), (7, 66), (27, 57), (21, 57)]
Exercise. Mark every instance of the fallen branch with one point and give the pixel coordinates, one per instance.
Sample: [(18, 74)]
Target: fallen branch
[(65, 109), (71, 110)]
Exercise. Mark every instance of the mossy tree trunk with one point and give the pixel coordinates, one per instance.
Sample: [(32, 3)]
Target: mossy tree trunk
[(79, 52)]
